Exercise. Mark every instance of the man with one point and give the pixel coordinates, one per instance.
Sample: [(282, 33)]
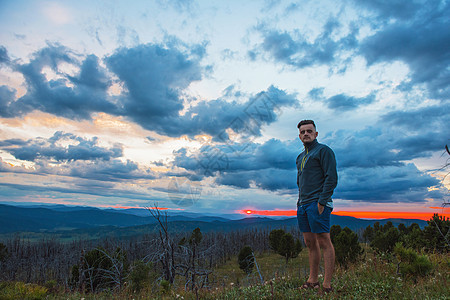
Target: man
[(316, 180)]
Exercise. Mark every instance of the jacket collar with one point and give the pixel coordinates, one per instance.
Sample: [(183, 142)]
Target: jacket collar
[(311, 145)]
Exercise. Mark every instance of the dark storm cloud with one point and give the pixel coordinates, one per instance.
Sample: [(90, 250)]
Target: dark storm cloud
[(422, 42), (51, 149), (416, 33), (246, 118), (267, 179), (344, 102), (385, 184), (294, 49), (341, 102), (71, 97), (81, 158), (84, 188), (91, 74), (269, 166), (154, 77), (109, 171), (272, 154), (371, 162), (397, 137), (4, 58), (7, 97), (394, 9), (434, 118)]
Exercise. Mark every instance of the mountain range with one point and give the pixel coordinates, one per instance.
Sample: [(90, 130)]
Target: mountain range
[(90, 222)]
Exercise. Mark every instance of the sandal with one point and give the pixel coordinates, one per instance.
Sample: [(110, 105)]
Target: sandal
[(327, 290), (310, 285)]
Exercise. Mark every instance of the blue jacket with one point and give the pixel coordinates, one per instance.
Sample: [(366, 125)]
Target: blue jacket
[(316, 174)]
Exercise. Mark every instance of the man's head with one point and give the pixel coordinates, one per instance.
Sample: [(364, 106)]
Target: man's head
[(307, 131)]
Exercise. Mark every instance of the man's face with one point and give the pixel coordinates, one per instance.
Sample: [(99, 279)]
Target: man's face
[(307, 133)]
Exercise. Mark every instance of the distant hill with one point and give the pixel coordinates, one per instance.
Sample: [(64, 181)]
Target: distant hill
[(91, 223)]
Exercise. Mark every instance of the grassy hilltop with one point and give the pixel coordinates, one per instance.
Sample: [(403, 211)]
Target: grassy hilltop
[(373, 277)]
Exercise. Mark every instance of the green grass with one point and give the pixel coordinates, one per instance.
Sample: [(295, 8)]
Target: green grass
[(371, 278)]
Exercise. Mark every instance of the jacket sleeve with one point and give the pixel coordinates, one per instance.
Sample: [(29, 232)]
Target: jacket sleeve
[(328, 163)]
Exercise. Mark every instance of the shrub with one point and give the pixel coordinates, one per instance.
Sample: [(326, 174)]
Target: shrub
[(346, 245), (385, 241), (275, 238), (3, 252), (140, 275), (414, 238), (412, 264), (368, 234), (21, 290), (246, 259), (288, 247), (436, 234), (165, 286), (100, 270), (196, 237), (51, 286), (284, 244)]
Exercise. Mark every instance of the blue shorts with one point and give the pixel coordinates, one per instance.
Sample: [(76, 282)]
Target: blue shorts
[(309, 219)]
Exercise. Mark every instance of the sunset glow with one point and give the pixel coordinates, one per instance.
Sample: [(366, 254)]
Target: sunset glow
[(359, 214)]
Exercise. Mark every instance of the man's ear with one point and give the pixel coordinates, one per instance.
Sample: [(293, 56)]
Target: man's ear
[(317, 133)]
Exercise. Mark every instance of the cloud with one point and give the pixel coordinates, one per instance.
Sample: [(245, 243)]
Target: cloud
[(294, 48), (91, 75), (403, 183), (372, 163), (7, 97), (110, 171), (73, 97), (154, 77), (4, 58), (267, 179), (393, 9), (270, 165), (435, 118), (83, 188), (246, 118), (422, 41), (53, 149), (386, 145), (65, 154), (341, 102)]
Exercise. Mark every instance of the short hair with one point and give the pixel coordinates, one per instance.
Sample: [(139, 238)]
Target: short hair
[(304, 122)]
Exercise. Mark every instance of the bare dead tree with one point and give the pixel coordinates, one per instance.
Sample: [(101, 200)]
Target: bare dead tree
[(117, 273), (166, 245)]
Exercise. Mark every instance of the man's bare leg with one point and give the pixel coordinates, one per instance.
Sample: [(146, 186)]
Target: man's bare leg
[(314, 256), (325, 244)]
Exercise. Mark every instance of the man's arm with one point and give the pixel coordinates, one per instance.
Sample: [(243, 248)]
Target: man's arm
[(328, 163)]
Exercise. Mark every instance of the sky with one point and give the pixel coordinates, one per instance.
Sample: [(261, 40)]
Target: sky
[(193, 105)]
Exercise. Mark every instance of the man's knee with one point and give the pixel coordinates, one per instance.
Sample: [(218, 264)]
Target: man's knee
[(324, 240), (310, 240)]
